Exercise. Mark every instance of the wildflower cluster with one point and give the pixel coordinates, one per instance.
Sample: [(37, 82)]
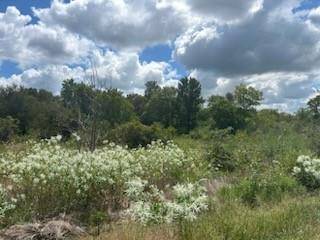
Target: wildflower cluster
[(49, 178), (307, 171), (6, 204), (150, 205)]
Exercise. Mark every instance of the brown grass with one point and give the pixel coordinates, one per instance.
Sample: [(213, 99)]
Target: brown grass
[(133, 231), (52, 230)]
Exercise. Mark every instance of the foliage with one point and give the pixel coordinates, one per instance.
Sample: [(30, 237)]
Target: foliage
[(307, 171), (189, 101), (314, 106), (225, 114), (161, 107), (6, 205), (8, 128), (48, 179), (247, 97), (134, 134), (258, 189), (295, 219), (149, 204)]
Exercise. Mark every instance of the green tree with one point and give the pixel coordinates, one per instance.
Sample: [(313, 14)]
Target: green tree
[(113, 107), (314, 106), (138, 102), (8, 128), (225, 114), (162, 107), (247, 97), (189, 102), (151, 87)]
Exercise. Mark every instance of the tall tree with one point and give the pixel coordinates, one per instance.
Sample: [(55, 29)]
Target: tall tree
[(247, 97), (151, 88), (162, 107), (189, 101), (138, 102), (224, 114), (314, 106)]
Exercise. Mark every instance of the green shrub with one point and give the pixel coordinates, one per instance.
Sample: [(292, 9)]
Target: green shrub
[(8, 128), (257, 190), (307, 172), (221, 159), (135, 134)]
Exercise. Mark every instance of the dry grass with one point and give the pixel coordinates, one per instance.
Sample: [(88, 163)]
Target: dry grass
[(52, 230), (137, 232)]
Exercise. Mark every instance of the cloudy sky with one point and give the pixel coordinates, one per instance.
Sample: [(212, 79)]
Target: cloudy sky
[(273, 45)]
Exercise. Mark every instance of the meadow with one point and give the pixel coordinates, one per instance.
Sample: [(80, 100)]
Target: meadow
[(131, 167), (213, 184)]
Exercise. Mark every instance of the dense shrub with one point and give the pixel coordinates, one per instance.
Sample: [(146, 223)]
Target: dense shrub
[(48, 179), (8, 128), (150, 205), (221, 159), (135, 134), (307, 172), (259, 189)]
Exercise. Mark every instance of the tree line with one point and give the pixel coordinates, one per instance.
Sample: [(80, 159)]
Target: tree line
[(134, 119)]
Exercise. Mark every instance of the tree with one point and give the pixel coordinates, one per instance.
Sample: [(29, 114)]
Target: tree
[(138, 102), (162, 107), (151, 88), (189, 101), (247, 97), (8, 128), (225, 114), (113, 107), (314, 106)]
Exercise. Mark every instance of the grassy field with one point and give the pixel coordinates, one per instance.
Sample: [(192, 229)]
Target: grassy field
[(258, 185), (290, 219)]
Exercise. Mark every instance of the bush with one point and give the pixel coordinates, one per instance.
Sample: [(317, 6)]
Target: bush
[(221, 159), (48, 179), (135, 134), (218, 155), (149, 205), (8, 128), (307, 172), (256, 190)]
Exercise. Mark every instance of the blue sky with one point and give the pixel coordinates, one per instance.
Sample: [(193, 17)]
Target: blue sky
[(269, 44)]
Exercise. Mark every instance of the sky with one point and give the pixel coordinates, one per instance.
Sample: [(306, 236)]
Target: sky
[(272, 45)]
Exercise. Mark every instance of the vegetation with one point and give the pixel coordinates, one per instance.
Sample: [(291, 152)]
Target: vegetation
[(163, 165)]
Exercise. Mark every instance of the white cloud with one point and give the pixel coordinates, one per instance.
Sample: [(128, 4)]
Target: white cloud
[(220, 42), (30, 44), (314, 15), (118, 24), (263, 43), (49, 77), (283, 90), (122, 71), (126, 72), (224, 10)]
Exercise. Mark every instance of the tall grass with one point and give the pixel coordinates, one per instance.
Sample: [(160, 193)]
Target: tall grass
[(291, 219)]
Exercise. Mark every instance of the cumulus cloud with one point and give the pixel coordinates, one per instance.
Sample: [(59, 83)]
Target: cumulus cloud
[(266, 42), (122, 71), (49, 77), (224, 10), (118, 24), (126, 72), (314, 15), (30, 44), (263, 43), (272, 48)]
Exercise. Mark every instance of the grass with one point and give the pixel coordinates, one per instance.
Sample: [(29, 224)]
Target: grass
[(291, 219)]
